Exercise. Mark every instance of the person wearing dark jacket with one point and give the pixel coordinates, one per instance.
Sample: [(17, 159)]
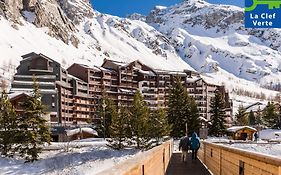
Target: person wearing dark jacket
[(184, 146), (194, 145)]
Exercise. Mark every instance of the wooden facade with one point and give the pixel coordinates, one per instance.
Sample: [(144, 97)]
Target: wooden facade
[(241, 132)]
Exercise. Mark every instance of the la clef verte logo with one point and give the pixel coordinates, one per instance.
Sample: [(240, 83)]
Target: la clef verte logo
[(262, 14)]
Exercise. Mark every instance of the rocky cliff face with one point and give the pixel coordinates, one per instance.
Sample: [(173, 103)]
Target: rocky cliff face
[(11, 9), (77, 10), (44, 13), (50, 14)]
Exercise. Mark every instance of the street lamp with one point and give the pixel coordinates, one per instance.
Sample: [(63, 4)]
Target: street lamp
[(103, 106)]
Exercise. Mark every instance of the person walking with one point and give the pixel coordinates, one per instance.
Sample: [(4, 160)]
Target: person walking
[(256, 136), (194, 145), (184, 146)]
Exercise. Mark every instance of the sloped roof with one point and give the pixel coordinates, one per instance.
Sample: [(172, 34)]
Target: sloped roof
[(237, 128), (255, 107), (18, 94), (80, 130), (33, 54)]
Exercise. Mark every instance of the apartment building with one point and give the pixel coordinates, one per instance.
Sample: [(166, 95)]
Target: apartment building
[(72, 95), (203, 91), (47, 72), (65, 96)]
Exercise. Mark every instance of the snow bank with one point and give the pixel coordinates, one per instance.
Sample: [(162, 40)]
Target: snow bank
[(261, 146), (91, 159), (270, 134), (264, 148)]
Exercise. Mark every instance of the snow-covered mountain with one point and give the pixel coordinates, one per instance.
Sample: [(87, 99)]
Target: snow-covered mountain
[(212, 38), (191, 35), (71, 31)]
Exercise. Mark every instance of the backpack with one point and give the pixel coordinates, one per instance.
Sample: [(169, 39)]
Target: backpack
[(195, 143)]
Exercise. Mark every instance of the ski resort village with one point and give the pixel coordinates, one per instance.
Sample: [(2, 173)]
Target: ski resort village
[(183, 89)]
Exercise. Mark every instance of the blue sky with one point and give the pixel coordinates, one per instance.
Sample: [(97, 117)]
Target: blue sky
[(123, 8)]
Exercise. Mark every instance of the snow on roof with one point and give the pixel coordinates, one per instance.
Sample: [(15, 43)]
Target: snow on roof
[(104, 69), (210, 80), (237, 128), (31, 82), (79, 130), (192, 79), (202, 118), (146, 72), (30, 90), (170, 72), (120, 63), (15, 94), (126, 90), (37, 76), (255, 107), (177, 73)]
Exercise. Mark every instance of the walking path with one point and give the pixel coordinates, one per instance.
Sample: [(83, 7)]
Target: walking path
[(177, 167)]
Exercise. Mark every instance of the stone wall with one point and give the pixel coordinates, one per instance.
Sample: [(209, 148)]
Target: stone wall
[(152, 162), (222, 160)]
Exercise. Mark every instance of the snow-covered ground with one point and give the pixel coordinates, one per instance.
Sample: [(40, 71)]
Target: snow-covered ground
[(261, 147), (83, 157), (272, 149), (267, 144)]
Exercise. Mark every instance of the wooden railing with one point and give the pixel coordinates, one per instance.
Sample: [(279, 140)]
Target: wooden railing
[(151, 162), (223, 160)]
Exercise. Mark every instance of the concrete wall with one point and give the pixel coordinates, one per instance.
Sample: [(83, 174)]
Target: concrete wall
[(222, 160), (152, 162)]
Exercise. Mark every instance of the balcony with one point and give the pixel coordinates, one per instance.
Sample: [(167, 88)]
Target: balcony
[(82, 109), (82, 116), (38, 69), (67, 100)]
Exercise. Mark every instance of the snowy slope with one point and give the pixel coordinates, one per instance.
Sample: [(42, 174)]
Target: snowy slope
[(212, 38), (102, 36)]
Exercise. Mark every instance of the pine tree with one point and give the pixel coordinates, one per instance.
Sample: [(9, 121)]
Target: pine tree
[(278, 119), (269, 115), (105, 115), (258, 118), (119, 129), (217, 127), (178, 111), (241, 117), (8, 126), (251, 118), (158, 125), (140, 122), (33, 126), (193, 122)]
